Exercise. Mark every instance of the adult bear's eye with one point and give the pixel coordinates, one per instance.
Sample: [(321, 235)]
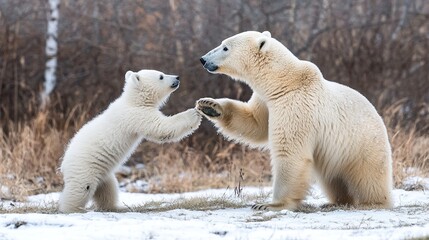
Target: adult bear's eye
[(225, 49), (161, 77)]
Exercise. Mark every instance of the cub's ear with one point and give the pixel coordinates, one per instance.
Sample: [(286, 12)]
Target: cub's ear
[(132, 76), (267, 34), (128, 74)]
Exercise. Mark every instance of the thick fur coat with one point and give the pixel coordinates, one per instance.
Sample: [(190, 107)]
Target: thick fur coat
[(311, 126), (108, 140)]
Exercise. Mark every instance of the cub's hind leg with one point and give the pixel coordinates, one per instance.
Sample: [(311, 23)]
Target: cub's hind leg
[(106, 194), (75, 196)]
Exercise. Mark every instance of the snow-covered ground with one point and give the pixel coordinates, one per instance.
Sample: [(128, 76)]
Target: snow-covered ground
[(408, 219)]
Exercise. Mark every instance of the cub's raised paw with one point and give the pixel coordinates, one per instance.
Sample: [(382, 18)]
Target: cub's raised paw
[(209, 107), (195, 118)]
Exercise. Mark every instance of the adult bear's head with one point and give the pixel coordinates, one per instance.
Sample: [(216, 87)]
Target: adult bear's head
[(261, 61), (239, 54)]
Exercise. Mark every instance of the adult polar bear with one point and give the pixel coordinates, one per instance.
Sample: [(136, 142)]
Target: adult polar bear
[(307, 122)]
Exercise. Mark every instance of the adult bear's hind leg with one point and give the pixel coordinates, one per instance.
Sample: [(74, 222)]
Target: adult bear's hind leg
[(370, 186), (337, 191)]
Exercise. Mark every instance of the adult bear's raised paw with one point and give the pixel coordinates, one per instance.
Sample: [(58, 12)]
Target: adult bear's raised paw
[(209, 107)]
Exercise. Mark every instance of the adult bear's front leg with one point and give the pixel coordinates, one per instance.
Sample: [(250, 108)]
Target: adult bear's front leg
[(245, 122), (209, 107), (291, 176), (292, 162)]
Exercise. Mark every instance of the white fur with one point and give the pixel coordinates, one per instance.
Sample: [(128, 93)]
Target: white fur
[(109, 139), (307, 122)]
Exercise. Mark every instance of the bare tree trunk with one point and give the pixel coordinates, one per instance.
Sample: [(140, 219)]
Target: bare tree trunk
[(51, 52), (179, 47), (292, 11), (198, 22), (15, 74), (402, 19)]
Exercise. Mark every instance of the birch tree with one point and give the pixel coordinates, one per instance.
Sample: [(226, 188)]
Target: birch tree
[(51, 50)]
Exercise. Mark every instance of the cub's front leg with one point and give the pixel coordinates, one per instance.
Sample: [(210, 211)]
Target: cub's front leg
[(173, 128)]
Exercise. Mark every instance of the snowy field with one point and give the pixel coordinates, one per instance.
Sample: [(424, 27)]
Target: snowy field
[(407, 220)]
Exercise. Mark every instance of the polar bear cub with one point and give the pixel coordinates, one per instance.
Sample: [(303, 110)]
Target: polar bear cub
[(109, 139)]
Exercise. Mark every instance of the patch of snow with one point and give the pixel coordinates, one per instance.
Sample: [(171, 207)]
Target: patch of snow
[(139, 166), (124, 170), (40, 180), (408, 219), (4, 190), (139, 186), (416, 183)]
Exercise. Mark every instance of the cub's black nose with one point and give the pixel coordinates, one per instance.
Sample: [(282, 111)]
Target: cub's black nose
[(175, 84), (202, 61), (177, 77)]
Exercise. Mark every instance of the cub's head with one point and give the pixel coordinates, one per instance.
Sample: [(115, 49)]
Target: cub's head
[(149, 87), (239, 55)]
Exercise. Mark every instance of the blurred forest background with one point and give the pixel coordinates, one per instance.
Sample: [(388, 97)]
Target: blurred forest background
[(378, 47)]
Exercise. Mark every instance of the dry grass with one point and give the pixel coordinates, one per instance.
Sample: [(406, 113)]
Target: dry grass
[(201, 203), (358, 50), (44, 208), (410, 143), (216, 163), (30, 156), (410, 154), (30, 152), (197, 203)]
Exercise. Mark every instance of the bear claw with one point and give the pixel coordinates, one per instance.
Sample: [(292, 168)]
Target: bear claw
[(208, 107), (259, 207), (210, 112)]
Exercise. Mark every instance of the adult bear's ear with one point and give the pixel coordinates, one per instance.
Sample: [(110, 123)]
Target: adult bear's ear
[(267, 34), (263, 41)]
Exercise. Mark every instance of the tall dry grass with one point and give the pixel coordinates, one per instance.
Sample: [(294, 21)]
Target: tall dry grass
[(410, 143), (30, 151), (410, 155), (377, 48), (30, 156), (213, 164)]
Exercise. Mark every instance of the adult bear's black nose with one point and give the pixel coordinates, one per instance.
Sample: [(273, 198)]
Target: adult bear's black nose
[(202, 61), (175, 84)]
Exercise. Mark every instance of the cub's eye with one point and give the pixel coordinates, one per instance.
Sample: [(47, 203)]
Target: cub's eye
[(138, 79), (225, 49), (161, 77)]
